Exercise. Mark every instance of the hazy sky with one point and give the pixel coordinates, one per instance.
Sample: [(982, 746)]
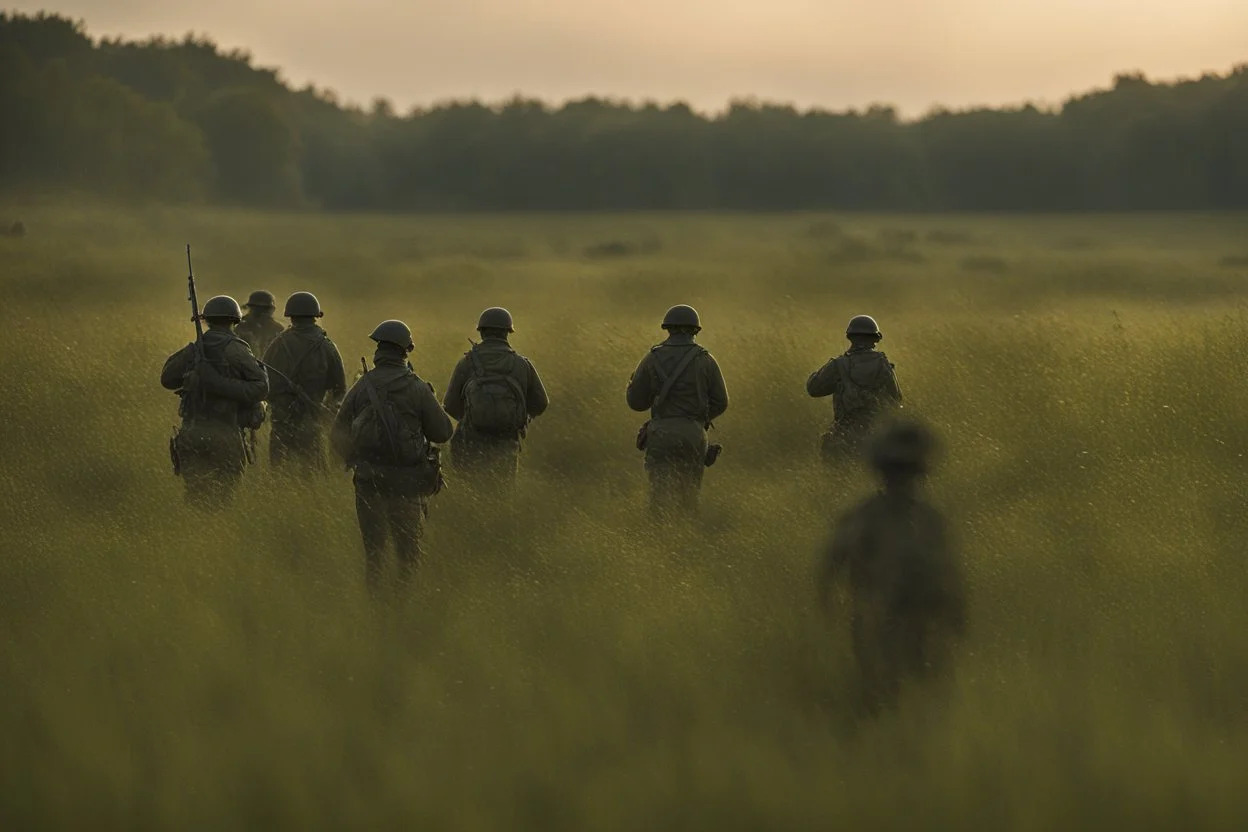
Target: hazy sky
[(832, 53)]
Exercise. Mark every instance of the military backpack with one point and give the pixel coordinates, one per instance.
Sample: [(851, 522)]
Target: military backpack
[(494, 402)]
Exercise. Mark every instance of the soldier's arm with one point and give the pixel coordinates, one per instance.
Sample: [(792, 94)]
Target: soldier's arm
[(336, 375), (176, 367), (891, 388), (535, 397), (641, 390), (434, 421), (453, 400), (340, 432), (716, 390), (822, 382), (252, 384), (835, 558)]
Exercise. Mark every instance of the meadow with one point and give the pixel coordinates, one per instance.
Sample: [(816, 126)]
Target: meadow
[(562, 665)]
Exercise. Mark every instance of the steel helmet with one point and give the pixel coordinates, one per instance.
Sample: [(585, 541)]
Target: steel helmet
[(496, 317), (906, 445), (222, 306), (863, 325), (303, 305), (394, 332), (682, 315), (260, 299)]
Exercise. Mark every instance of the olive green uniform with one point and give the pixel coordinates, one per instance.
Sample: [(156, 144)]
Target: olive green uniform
[(906, 588), (862, 384), (491, 459), (258, 330), (304, 355), (390, 499), (218, 401), (676, 442)]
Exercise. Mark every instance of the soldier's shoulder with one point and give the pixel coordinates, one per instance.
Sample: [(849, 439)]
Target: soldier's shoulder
[(236, 347)]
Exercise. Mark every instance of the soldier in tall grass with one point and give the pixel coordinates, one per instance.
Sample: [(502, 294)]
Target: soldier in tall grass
[(680, 383), (257, 327), (893, 553), (221, 386), (862, 385)]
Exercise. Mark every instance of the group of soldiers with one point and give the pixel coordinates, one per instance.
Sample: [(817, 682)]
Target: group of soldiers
[(891, 550)]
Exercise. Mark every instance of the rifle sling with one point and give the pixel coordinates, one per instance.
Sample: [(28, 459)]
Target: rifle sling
[(382, 414), (679, 371)]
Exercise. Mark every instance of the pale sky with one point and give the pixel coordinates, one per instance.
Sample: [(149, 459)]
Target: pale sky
[(829, 53)]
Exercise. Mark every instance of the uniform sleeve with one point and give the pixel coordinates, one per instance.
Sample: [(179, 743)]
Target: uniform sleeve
[(822, 382), (176, 367), (434, 421), (340, 432), (641, 390), (891, 388), (336, 374), (535, 396), (716, 390), (453, 400)]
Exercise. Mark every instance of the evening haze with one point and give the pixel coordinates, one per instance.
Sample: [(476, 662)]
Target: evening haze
[(829, 53)]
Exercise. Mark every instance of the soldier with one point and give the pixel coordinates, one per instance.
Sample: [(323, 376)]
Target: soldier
[(220, 397), (310, 382), (494, 393), (680, 383), (862, 385), (383, 432), (258, 328), (905, 582)]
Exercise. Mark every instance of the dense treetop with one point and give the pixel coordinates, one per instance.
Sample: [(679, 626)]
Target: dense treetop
[(182, 119)]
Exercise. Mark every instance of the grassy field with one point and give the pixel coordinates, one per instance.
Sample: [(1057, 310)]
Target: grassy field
[(562, 666)]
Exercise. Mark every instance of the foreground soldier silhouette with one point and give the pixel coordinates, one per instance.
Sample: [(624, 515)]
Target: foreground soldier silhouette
[(220, 398), (680, 383), (907, 597), (862, 385), (307, 386), (257, 327), (494, 394), (383, 432)]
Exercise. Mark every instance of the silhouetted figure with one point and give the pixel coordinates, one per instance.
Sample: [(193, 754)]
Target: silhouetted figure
[(906, 591), (862, 385)]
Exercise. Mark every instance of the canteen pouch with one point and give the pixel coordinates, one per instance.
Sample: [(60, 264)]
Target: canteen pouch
[(712, 453)]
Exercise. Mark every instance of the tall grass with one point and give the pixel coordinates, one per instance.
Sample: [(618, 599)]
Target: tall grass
[(560, 664)]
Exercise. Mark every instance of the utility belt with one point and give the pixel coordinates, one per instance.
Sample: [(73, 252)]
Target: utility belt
[(647, 430)]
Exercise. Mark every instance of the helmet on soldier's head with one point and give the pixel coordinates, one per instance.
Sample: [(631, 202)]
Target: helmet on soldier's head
[(394, 332), (905, 446), (303, 305), (496, 317), (222, 306), (863, 325), (682, 315), (260, 299)]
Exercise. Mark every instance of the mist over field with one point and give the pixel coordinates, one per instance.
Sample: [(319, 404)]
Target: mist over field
[(560, 664)]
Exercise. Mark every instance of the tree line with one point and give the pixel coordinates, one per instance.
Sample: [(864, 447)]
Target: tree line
[(183, 120)]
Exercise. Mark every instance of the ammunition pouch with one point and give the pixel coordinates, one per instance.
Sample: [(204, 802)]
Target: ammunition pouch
[(712, 453), (643, 436)]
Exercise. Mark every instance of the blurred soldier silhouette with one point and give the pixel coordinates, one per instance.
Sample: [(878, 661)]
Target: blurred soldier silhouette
[(307, 384), (680, 383), (906, 591), (258, 328), (384, 432), (494, 394), (220, 397), (862, 385)]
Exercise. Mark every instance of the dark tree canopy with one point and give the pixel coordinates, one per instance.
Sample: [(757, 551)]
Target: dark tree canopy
[(169, 119)]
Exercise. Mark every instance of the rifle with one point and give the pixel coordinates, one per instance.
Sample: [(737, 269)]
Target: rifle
[(190, 290), (299, 391)]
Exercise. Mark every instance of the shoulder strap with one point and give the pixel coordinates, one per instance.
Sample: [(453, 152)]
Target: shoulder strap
[(382, 413), (478, 367), (671, 380)]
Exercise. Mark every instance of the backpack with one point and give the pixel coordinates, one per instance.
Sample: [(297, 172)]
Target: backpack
[(860, 379), (381, 434), (494, 401)]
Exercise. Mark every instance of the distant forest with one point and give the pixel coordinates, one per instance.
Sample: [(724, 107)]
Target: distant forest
[(183, 120)]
